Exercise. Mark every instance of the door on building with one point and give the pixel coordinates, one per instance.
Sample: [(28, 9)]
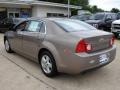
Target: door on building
[(13, 15)]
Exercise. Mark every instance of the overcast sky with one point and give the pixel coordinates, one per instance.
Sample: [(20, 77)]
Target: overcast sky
[(106, 4)]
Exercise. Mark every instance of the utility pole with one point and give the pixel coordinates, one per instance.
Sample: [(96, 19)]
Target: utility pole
[(68, 8)]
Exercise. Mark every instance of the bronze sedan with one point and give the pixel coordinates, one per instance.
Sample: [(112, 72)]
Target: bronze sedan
[(61, 45)]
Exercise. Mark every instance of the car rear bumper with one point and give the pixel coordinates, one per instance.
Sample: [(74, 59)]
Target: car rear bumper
[(81, 62)]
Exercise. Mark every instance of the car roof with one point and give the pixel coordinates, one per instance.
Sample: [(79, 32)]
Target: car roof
[(38, 19), (46, 19), (105, 13)]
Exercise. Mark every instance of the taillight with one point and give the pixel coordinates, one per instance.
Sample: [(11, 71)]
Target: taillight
[(83, 46), (112, 41)]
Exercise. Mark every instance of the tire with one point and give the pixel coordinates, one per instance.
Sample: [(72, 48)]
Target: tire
[(48, 64), (101, 28), (7, 46)]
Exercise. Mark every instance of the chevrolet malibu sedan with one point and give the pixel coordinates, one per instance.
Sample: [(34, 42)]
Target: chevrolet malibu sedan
[(61, 45)]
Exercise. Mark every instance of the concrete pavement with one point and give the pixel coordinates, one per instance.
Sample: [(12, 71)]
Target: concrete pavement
[(19, 73)]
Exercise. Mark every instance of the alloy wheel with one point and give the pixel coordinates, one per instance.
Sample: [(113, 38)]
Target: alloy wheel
[(46, 64)]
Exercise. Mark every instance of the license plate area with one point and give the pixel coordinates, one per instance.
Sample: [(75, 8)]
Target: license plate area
[(103, 59)]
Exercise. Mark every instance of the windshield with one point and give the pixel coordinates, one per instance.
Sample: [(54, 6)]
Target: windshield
[(97, 17), (83, 17), (74, 25)]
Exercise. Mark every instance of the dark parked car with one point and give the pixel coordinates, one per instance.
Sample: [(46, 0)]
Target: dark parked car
[(102, 20), (8, 23), (82, 17)]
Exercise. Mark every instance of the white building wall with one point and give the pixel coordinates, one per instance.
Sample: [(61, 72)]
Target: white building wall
[(41, 11)]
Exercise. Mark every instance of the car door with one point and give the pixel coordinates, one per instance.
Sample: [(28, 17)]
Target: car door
[(32, 38), (17, 36)]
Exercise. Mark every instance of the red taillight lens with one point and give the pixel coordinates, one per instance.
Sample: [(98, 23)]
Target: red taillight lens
[(83, 46), (112, 41)]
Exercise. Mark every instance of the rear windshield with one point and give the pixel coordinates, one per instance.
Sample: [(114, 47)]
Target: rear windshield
[(74, 25)]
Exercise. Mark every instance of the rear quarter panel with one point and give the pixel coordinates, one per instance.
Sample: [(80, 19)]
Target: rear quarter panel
[(60, 43)]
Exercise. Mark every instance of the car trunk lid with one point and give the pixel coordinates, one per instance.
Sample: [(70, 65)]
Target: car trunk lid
[(99, 40)]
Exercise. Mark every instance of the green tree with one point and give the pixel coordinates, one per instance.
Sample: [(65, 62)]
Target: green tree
[(82, 3), (79, 2), (95, 9), (115, 10)]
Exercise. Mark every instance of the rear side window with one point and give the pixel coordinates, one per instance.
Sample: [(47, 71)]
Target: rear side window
[(74, 25)]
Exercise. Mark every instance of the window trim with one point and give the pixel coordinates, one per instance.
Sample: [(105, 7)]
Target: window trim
[(43, 22), (34, 20), (66, 29), (109, 16), (20, 24), (60, 26)]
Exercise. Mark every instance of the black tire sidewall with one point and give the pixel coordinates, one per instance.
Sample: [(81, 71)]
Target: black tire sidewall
[(9, 51)]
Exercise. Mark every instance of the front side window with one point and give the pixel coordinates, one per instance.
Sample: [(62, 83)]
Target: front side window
[(74, 25), (34, 26), (109, 17), (21, 26)]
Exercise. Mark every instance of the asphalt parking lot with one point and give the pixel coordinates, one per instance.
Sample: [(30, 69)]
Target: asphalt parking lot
[(19, 73)]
